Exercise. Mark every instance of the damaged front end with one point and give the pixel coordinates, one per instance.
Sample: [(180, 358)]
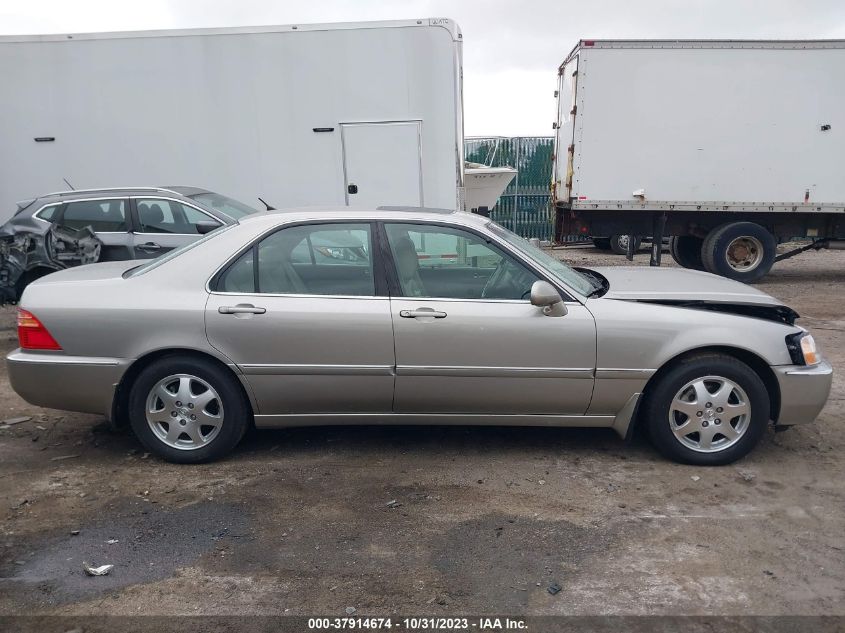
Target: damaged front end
[(779, 313), (26, 255)]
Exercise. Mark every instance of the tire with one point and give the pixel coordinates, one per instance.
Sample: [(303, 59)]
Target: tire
[(686, 251), (619, 244), (602, 243), (208, 393), (743, 251), (677, 389)]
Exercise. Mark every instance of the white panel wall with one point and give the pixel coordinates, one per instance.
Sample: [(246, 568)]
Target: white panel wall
[(232, 112)]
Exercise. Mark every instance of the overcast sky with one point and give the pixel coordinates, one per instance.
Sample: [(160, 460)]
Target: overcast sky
[(512, 48)]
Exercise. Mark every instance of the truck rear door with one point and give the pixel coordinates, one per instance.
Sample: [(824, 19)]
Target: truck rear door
[(381, 163)]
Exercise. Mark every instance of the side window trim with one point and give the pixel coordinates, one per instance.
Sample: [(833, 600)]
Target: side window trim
[(380, 283), (393, 276)]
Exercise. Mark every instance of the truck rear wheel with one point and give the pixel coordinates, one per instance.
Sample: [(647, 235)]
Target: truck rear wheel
[(743, 251), (686, 251)]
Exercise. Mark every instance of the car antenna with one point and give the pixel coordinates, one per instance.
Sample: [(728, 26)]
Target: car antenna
[(68, 184), (269, 208)]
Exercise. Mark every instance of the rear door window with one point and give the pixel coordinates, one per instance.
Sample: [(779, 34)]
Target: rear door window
[(103, 216), (321, 259)]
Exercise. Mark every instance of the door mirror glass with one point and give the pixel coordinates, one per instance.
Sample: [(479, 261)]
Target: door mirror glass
[(544, 295)]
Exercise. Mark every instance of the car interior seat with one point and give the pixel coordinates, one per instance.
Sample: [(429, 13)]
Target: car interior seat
[(408, 267)]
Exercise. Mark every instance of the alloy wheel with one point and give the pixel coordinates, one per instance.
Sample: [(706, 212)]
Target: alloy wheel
[(184, 411), (709, 414)]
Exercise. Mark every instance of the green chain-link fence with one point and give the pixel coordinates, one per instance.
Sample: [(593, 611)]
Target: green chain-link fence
[(525, 207)]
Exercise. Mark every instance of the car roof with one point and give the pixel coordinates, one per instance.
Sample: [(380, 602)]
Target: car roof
[(341, 213)]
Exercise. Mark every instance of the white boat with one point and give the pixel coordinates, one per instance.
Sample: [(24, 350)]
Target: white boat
[(484, 184)]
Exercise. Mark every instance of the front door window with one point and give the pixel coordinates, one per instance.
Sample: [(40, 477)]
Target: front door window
[(450, 263)]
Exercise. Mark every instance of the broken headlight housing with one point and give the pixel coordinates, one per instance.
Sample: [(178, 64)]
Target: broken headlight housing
[(802, 348)]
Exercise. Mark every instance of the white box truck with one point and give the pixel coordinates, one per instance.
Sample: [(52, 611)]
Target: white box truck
[(727, 146), (358, 114)]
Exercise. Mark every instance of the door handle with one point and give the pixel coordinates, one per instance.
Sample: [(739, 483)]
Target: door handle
[(149, 246), (352, 188), (422, 312), (241, 308)]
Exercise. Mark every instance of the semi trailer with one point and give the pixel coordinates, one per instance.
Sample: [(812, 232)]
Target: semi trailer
[(729, 147)]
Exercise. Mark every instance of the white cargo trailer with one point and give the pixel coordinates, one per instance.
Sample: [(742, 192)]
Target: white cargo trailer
[(344, 114), (728, 146)]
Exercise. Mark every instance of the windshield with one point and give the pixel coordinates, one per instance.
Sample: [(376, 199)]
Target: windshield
[(158, 261), (572, 278), (231, 207)]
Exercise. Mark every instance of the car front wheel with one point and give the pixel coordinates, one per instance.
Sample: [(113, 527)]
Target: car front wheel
[(187, 410), (708, 409)]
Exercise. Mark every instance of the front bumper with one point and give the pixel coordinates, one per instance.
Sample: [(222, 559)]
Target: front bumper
[(71, 383), (803, 392)]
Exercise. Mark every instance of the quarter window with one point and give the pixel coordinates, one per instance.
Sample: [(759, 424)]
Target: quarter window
[(445, 262), (319, 259), (48, 213), (157, 215), (101, 215)]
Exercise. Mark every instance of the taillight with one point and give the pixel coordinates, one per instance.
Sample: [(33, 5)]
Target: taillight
[(33, 335)]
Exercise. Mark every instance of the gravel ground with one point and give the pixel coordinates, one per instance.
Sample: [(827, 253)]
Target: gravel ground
[(301, 522)]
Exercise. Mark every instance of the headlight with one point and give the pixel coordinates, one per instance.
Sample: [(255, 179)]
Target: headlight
[(802, 348)]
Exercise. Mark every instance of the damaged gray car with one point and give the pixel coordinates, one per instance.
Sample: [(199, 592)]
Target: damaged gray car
[(71, 228)]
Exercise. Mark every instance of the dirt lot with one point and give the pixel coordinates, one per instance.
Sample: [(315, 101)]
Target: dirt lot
[(485, 519)]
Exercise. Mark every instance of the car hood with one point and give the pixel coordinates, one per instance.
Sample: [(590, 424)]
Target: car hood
[(678, 284), (692, 289)]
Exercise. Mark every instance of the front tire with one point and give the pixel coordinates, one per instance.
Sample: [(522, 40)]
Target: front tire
[(743, 251), (707, 410), (187, 410)]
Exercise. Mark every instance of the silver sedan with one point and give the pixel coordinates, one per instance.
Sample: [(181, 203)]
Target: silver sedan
[(409, 316)]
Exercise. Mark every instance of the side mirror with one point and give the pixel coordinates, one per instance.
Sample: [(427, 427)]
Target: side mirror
[(544, 295), (206, 226)]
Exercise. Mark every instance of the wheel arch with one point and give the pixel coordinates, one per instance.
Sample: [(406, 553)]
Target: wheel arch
[(755, 362), (120, 401)]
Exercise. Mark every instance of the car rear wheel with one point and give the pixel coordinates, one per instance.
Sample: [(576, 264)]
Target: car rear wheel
[(708, 409), (187, 410), (686, 251)]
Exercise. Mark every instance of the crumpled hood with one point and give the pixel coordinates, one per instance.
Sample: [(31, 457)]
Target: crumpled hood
[(670, 285)]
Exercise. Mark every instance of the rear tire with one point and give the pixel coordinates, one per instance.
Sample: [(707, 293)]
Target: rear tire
[(743, 251), (726, 430), (619, 244), (686, 251), (188, 410)]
